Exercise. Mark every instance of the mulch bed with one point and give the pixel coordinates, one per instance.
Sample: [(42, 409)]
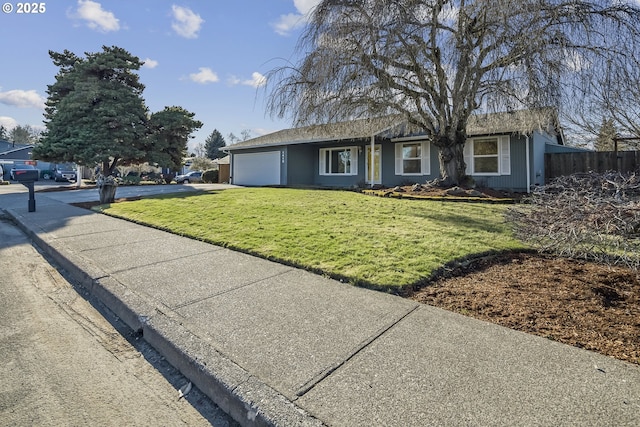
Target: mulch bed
[(580, 303)]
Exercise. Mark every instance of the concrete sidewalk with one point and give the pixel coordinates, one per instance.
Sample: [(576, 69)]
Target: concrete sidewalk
[(273, 345)]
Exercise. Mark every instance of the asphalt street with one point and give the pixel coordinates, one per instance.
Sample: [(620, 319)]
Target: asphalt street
[(64, 363)]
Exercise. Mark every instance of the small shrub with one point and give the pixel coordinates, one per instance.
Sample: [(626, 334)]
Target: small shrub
[(152, 177), (168, 177), (131, 180), (210, 176)]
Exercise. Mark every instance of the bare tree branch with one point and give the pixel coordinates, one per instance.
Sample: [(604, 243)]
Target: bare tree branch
[(436, 62), (589, 216)]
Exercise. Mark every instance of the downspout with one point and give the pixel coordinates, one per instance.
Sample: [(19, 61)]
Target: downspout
[(528, 166), (227, 152), (372, 160)]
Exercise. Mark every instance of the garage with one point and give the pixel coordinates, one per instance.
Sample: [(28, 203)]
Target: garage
[(257, 168)]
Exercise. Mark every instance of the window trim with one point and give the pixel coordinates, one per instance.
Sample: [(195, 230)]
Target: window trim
[(353, 165), (425, 158), (503, 155)]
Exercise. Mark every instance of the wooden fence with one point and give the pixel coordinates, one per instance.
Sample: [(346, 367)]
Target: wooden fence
[(560, 164)]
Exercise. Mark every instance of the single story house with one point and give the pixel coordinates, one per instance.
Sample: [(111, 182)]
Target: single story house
[(503, 151), (12, 153)]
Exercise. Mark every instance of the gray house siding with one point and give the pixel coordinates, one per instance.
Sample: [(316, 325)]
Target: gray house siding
[(556, 148), (309, 157), (517, 179), (336, 180), (302, 165), (538, 148), (389, 177)]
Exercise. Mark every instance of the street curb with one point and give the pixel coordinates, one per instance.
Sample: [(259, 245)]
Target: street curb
[(245, 398)]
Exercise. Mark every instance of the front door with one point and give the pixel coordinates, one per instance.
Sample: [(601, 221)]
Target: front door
[(377, 167)]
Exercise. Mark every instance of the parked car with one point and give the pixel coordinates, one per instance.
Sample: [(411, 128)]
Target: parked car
[(64, 172), (15, 170), (193, 176)]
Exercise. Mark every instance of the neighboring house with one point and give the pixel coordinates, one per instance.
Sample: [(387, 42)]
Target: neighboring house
[(12, 153), (503, 151)]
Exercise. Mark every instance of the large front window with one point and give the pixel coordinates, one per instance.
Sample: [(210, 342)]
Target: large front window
[(338, 161)]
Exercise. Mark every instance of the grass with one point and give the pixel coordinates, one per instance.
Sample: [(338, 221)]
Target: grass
[(364, 240)]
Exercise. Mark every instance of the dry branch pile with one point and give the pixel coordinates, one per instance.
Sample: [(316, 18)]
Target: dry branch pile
[(589, 216)]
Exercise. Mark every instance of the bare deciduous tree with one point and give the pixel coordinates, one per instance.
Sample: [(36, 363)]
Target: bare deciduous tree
[(436, 62), (24, 134)]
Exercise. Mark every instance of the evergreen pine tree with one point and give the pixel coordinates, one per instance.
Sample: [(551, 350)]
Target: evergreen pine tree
[(213, 145), (4, 133), (604, 141)]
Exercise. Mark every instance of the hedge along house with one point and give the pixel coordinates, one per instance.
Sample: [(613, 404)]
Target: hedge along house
[(503, 151)]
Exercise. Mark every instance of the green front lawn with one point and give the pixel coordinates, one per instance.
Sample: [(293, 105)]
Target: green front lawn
[(365, 240)]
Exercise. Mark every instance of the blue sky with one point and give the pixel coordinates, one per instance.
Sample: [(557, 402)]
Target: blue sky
[(208, 56)]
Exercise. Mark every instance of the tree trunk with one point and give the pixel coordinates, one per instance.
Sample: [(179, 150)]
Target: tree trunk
[(107, 193), (451, 159)]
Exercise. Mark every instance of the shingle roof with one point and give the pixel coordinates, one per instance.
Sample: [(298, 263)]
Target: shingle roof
[(519, 121), (522, 121), (356, 129), (6, 146)]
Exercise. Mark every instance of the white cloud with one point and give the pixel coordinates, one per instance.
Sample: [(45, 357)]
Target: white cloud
[(292, 21), (305, 6), (186, 23), (22, 99), (206, 75), (96, 17), (150, 63), (288, 23), (257, 80), (8, 122)]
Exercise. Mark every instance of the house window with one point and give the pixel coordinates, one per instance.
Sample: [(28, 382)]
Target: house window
[(412, 158), (485, 155), (338, 161), (488, 156)]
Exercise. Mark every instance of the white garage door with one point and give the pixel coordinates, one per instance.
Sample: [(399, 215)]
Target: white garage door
[(257, 168)]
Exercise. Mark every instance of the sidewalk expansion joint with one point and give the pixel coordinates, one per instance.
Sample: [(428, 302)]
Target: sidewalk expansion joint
[(159, 262), (366, 343), (114, 245), (226, 291)]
